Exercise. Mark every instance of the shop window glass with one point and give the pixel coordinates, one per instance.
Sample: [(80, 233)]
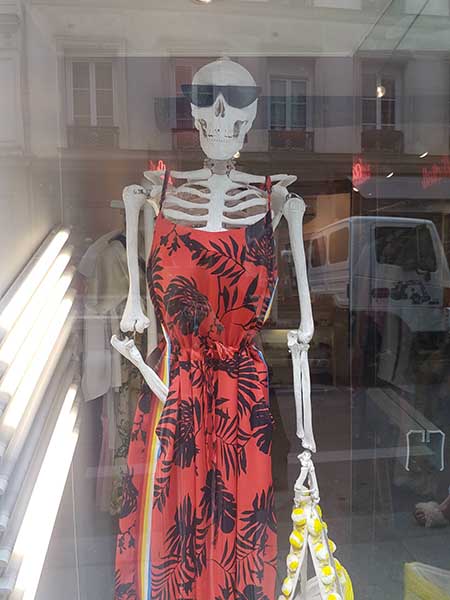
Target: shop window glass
[(341, 94), (183, 75), (338, 245), (318, 252)]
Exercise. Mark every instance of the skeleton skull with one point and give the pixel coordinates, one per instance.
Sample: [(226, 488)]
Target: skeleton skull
[(223, 127)]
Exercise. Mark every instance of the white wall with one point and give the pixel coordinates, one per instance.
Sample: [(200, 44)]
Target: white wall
[(426, 83), (334, 89), (29, 180)]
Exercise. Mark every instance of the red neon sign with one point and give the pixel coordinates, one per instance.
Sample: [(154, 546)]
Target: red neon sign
[(159, 166), (361, 171), (436, 173)]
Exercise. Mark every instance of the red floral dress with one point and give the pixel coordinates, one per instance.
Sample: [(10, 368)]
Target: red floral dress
[(198, 520)]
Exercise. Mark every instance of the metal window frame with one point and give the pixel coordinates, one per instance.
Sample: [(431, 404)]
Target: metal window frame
[(288, 102), (92, 89)]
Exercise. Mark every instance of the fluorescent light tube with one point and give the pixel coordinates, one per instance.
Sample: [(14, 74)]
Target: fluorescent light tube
[(35, 340), (18, 334), (12, 443), (22, 290), (25, 471), (35, 532), (18, 403)]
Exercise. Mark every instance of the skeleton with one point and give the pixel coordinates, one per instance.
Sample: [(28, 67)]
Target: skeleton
[(215, 198)]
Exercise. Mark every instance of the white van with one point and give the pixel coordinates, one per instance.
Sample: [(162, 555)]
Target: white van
[(382, 264)]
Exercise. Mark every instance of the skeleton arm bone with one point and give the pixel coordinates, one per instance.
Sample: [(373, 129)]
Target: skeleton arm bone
[(279, 195), (298, 340), (133, 318), (129, 350), (293, 210)]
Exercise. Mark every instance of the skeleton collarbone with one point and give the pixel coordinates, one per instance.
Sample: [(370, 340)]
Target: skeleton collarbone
[(216, 202)]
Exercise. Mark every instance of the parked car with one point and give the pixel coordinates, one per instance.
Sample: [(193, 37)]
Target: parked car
[(391, 275)]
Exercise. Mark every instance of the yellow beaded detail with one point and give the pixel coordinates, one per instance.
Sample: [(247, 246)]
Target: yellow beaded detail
[(319, 510), (296, 540), (321, 552), (315, 527), (292, 562), (298, 517), (327, 575), (332, 546), (287, 587)]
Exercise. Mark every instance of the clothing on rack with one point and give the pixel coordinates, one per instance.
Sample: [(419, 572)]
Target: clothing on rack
[(107, 376)]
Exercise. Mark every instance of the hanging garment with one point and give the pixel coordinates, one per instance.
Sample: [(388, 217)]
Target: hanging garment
[(107, 376), (198, 521)]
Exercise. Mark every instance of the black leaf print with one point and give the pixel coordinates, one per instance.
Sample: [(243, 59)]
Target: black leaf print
[(261, 420), (221, 260), (226, 298), (260, 244), (250, 298), (167, 425), (228, 559), (124, 590), (218, 503), (226, 432), (186, 304), (248, 380), (125, 540), (226, 593), (162, 488), (252, 592), (259, 518), (138, 432), (235, 297), (154, 279), (184, 446), (129, 494), (175, 573)]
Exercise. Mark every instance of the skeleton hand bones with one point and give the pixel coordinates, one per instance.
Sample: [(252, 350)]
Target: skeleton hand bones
[(128, 349)]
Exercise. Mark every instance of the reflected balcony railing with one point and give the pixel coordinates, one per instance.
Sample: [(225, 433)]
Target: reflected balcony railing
[(292, 139), (382, 140), (85, 136)]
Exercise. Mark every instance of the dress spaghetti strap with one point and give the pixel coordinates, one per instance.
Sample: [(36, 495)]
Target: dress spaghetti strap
[(268, 189), (164, 187)]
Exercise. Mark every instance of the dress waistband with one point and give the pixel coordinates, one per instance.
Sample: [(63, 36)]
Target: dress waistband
[(218, 349)]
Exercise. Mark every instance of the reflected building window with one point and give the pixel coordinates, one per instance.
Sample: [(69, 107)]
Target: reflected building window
[(183, 75), (288, 121), (379, 100), (185, 136), (380, 112), (92, 113)]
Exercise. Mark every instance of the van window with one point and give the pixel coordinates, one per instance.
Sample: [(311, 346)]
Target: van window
[(307, 246), (338, 245), (408, 247), (318, 252)]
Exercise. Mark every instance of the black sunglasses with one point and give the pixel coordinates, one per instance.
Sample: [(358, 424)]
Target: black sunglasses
[(237, 96)]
